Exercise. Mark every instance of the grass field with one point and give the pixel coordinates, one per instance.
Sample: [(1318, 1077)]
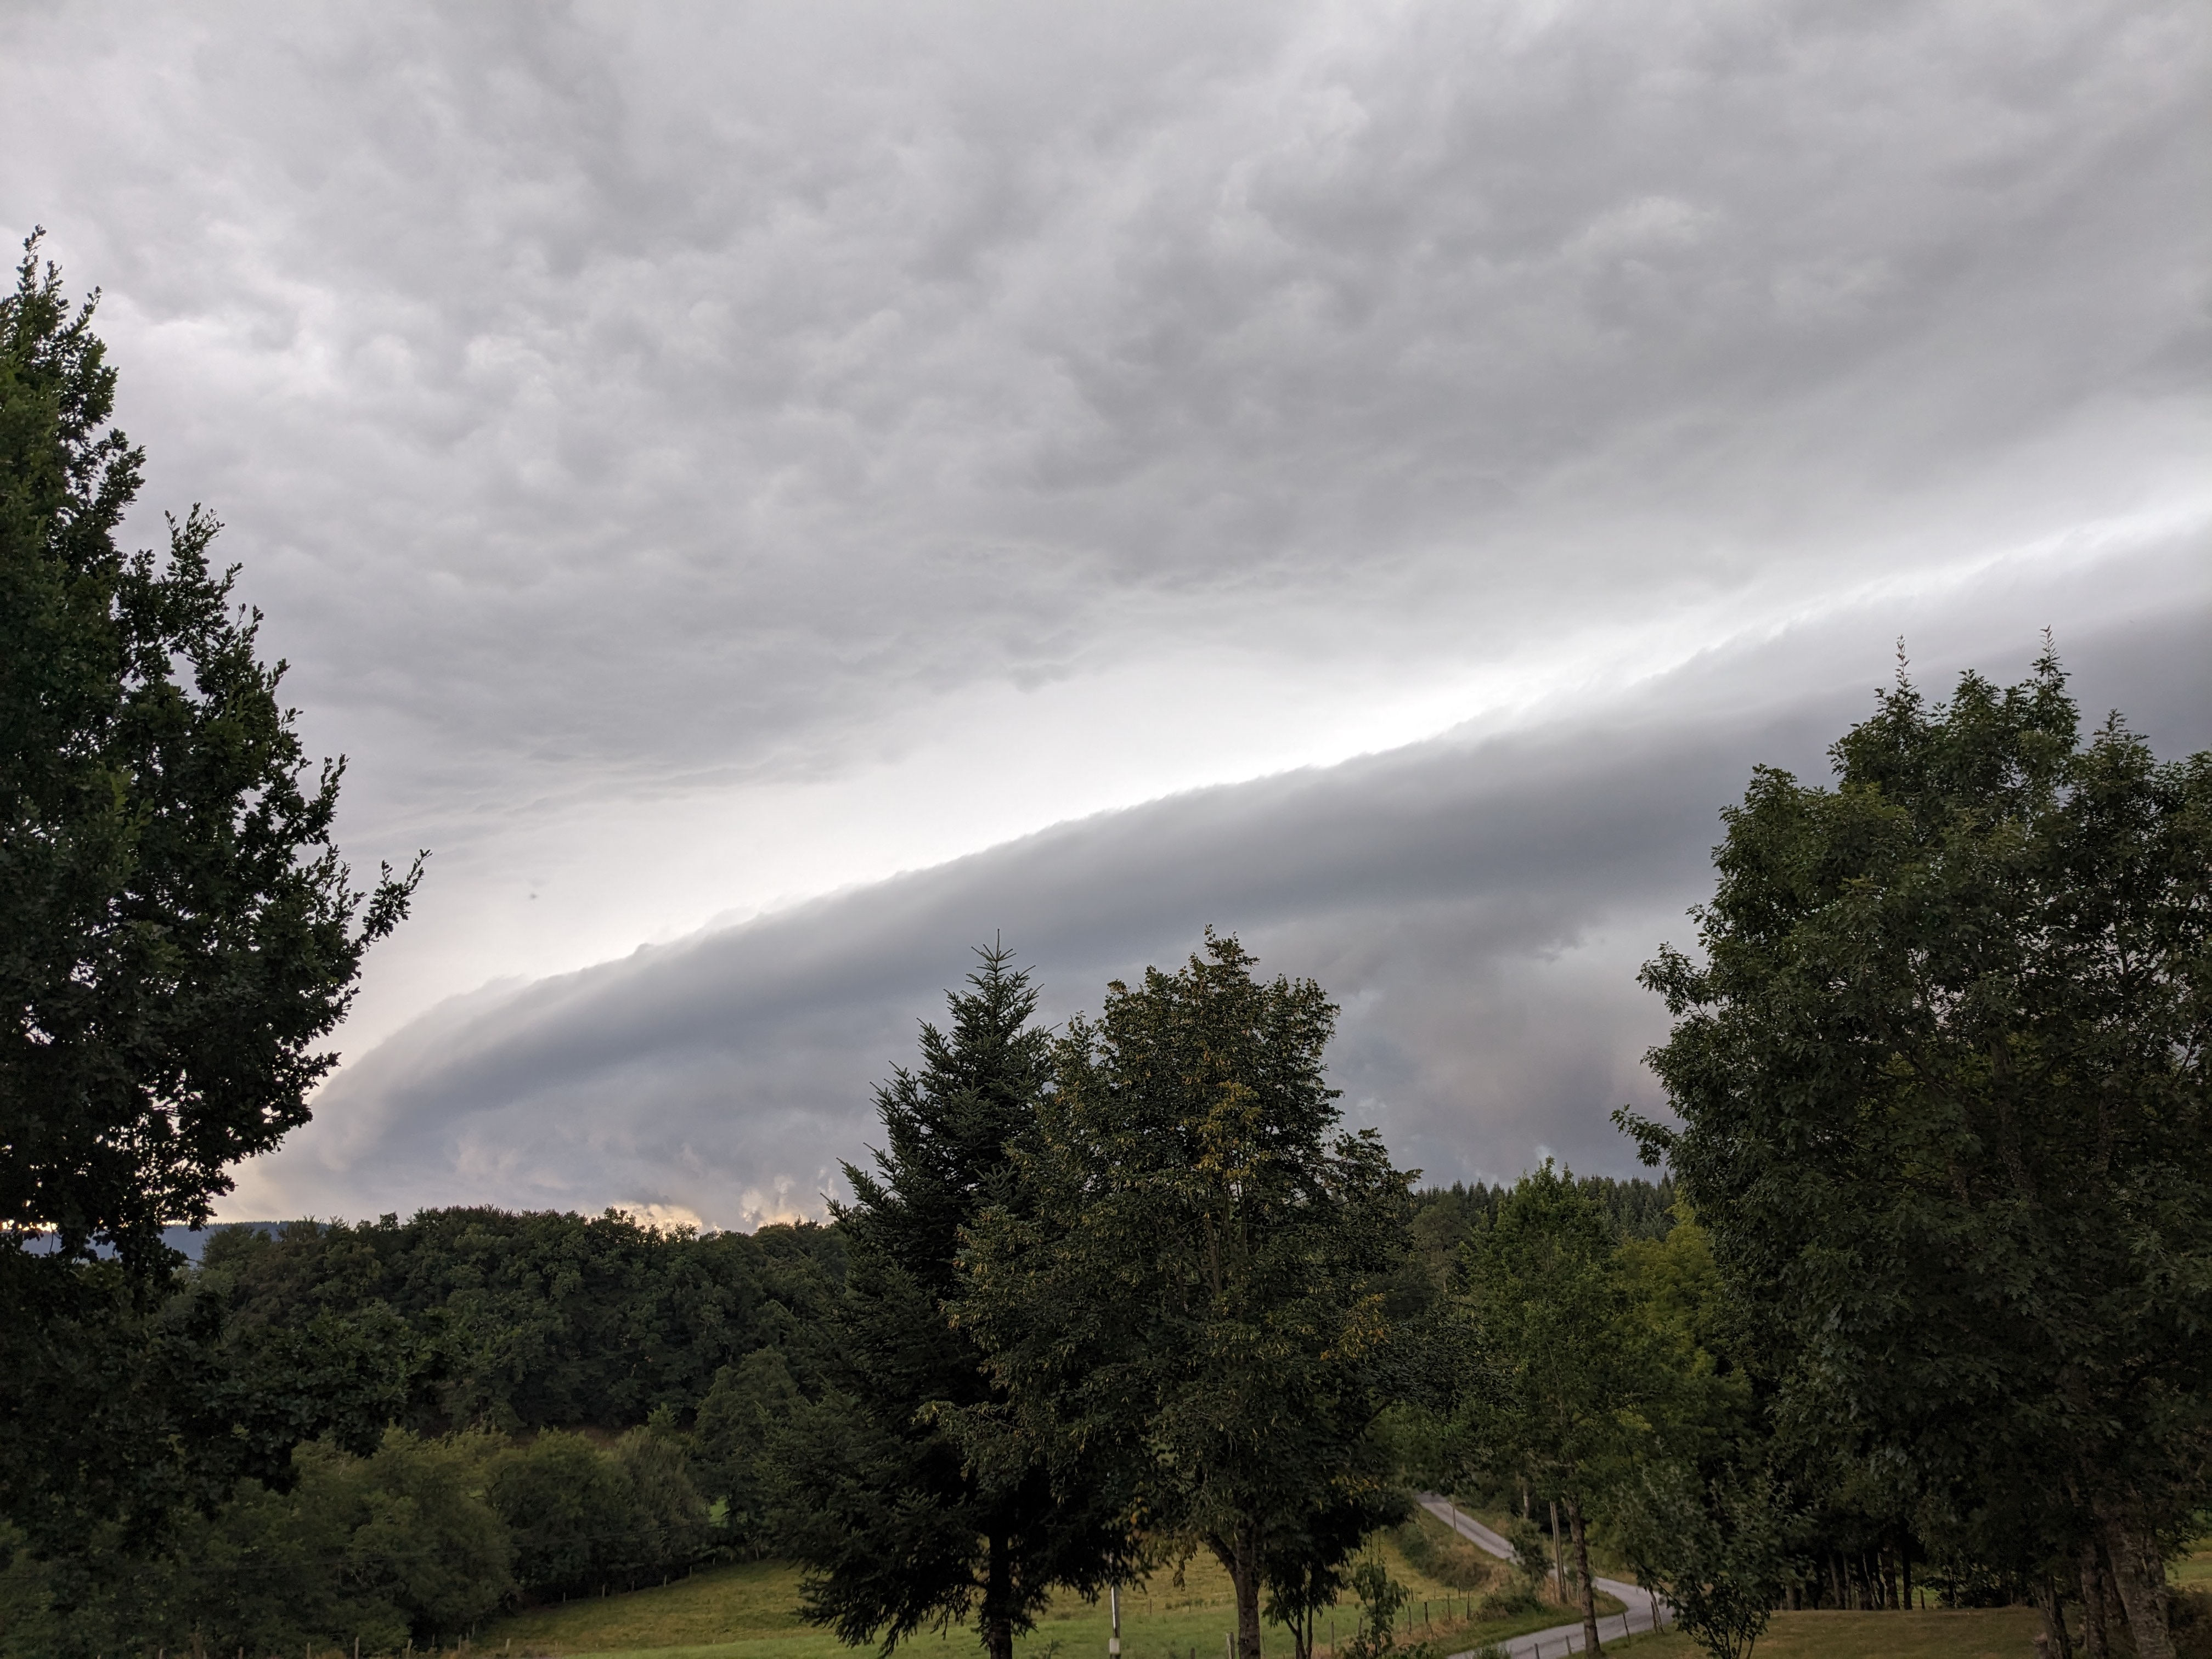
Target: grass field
[(1973, 1633), (2194, 1569), (747, 1612)]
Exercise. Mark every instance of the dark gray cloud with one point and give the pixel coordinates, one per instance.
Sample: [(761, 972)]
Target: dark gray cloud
[(704, 456), (1478, 908), (511, 337)]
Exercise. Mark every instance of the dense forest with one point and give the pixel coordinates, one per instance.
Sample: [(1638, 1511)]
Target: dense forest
[(589, 1403)]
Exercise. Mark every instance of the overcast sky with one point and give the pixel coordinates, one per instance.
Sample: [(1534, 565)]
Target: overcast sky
[(770, 496)]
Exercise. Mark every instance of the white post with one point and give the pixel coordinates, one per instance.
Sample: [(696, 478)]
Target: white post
[(1113, 1611)]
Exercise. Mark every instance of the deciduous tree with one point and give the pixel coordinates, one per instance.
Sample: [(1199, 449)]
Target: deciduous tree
[(177, 934), (1942, 1078), (1572, 1375)]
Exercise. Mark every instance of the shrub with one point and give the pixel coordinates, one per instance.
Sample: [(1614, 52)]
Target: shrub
[(1509, 1602)]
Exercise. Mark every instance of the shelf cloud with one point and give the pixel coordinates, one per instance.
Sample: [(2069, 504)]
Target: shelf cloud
[(1478, 907)]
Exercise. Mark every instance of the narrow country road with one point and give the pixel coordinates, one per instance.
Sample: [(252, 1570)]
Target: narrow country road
[(1643, 1608)]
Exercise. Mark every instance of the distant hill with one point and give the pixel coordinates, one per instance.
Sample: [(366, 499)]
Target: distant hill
[(191, 1241)]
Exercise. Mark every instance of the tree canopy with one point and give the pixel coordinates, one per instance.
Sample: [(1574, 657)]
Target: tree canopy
[(176, 932), (1186, 1287), (1572, 1381), (911, 1498), (1943, 1079), (176, 936)]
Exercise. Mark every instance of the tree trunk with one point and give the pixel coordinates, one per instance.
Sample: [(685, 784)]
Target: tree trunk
[(2093, 1602), (997, 1627), (1245, 1573), (2052, 1606), (2140, 1577), (1581, 1566)]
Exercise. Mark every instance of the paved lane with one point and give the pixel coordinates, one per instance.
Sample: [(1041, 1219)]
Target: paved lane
[(1644, 1609)]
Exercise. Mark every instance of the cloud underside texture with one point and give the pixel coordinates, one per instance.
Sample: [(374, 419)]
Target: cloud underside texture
[(853, 356), (866, 435), (1479, 909)]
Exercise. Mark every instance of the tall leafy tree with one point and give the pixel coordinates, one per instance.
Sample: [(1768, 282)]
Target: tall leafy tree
[(1184, 1283), (1572, 1374), (913, 1500), (177, 934), (1942, 1078)]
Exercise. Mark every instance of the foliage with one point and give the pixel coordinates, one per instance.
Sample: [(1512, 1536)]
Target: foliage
[(1382, 1598), (1713, 1548), (1574, 1379), (1532, 1551), (1445, 1217), (583, 1519), (178, 934), (749, 1405), (914, 1500), (1942, 1078), (394, 1546), (1185, 1285), (544, 1320), (1447, 1558), (123, 1412), (419, 1541)]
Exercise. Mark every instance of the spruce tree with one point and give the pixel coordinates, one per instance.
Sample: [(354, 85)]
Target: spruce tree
[(1190, 1286), (908, 1496)]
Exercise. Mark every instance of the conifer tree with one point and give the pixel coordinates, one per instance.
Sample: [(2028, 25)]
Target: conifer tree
[(1186, 1285), (909, 1499)]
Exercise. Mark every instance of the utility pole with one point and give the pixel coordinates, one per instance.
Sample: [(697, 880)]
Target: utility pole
[(1113, 1611)]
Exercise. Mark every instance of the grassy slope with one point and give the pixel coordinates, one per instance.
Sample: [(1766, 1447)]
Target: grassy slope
[(2194, 1569), (746, 1613), (1975, 1633)]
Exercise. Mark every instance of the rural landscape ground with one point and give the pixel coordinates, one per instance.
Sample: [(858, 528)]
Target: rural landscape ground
[(747, 1612)]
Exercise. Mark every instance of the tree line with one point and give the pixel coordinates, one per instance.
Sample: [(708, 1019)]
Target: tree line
[(1924, 1303)]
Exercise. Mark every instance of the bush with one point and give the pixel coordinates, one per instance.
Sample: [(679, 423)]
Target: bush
[(383, 1549), (748, 1403), (560, 1498), (1509, 1603), (584, 1519), (2190, 1614)]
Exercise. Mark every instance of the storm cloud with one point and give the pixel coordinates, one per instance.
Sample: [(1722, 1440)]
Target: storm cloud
[(1478, 906), (799, 488)]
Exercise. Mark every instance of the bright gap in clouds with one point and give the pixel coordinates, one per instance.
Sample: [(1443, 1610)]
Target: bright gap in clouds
[(584, 881)]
